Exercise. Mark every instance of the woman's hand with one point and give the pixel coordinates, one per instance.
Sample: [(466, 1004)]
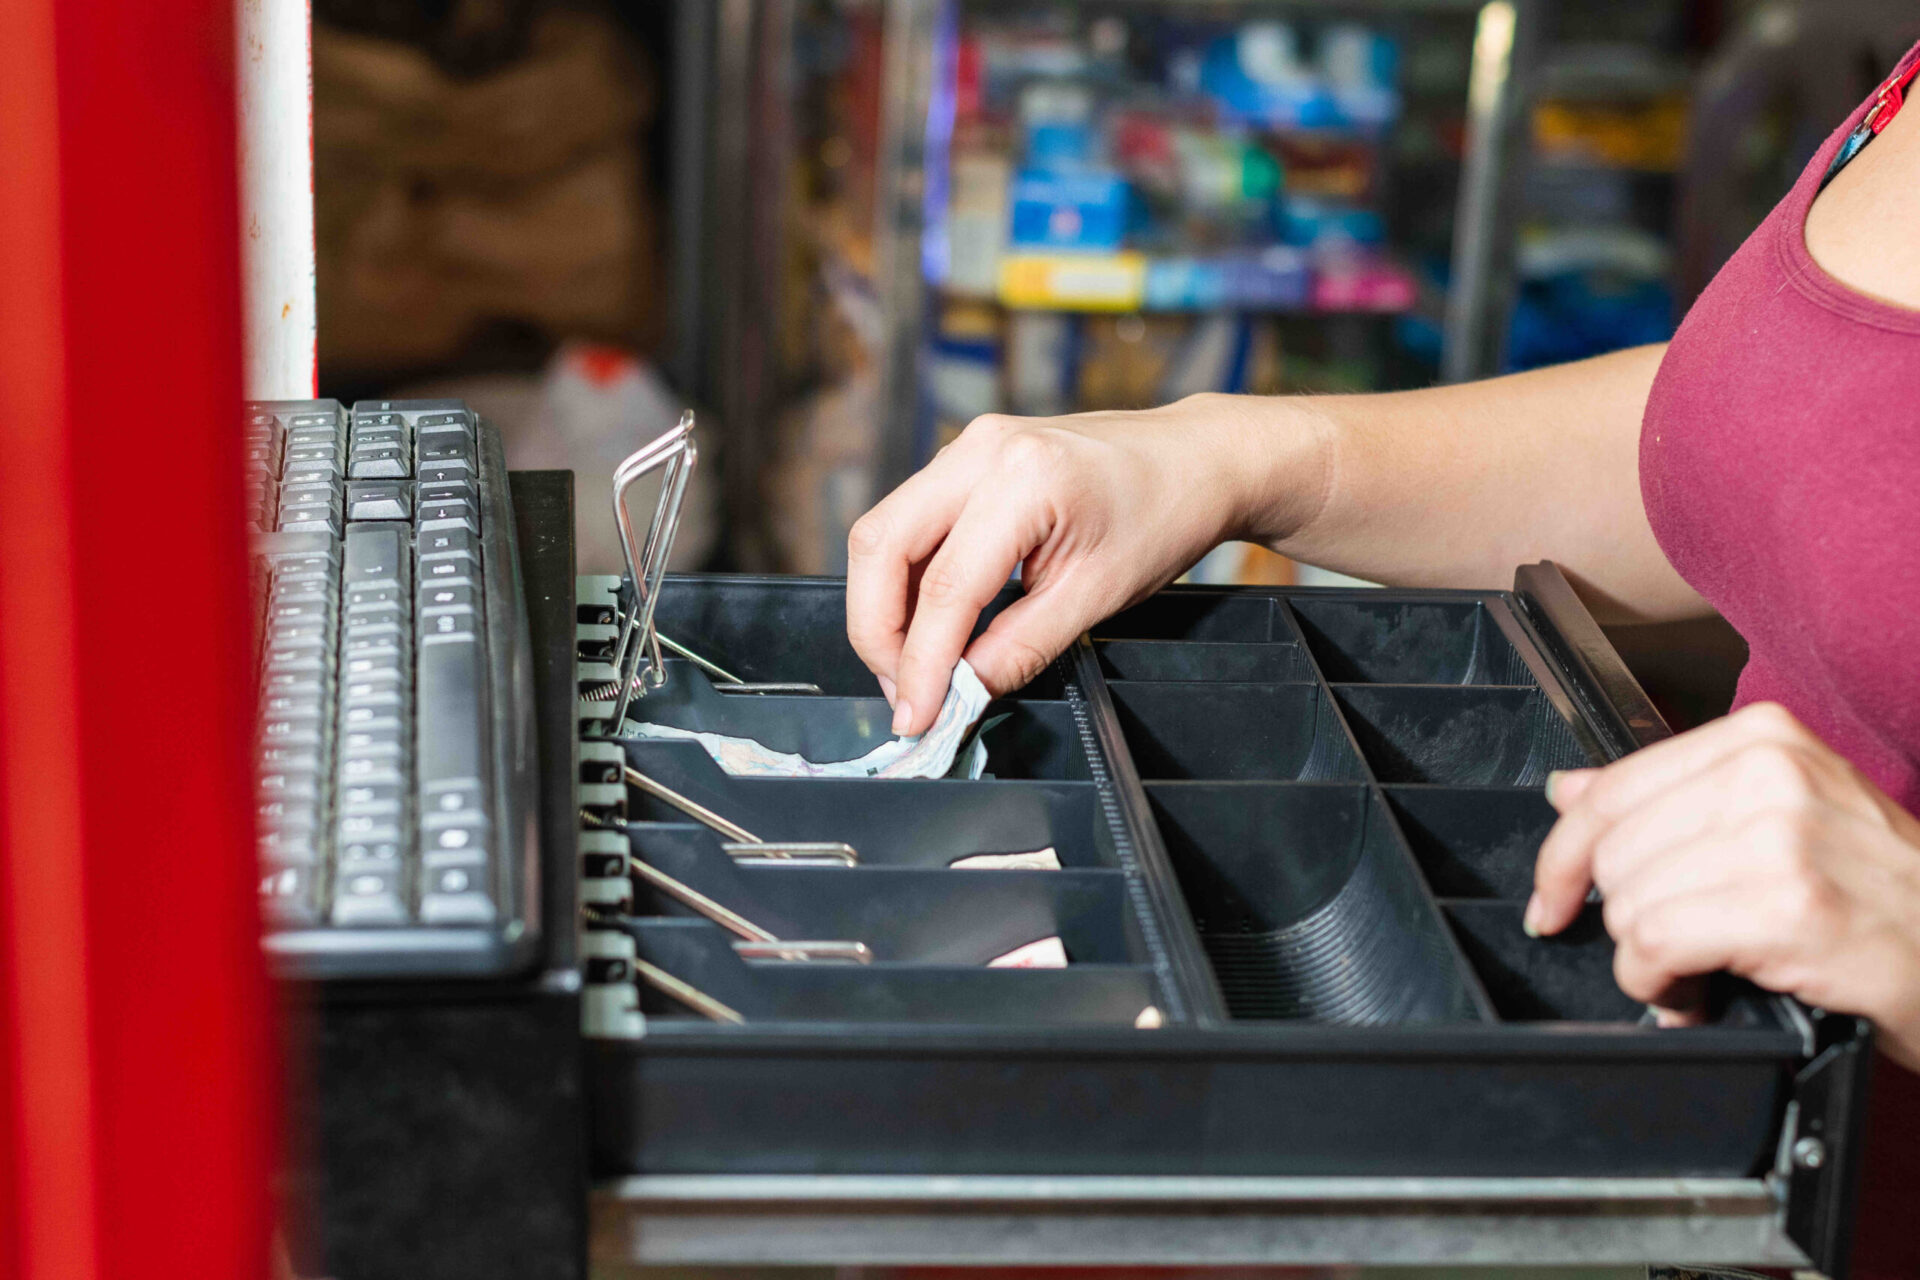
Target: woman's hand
[(1096, 510), (1747, 845)]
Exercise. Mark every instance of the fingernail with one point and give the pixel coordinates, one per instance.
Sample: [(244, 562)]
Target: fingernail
[(1667, 1018), (1553, 785), (902, 717), (1530, 922), (886, 690)]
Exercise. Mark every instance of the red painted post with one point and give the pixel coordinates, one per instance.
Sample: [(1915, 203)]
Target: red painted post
[(137, 1103)]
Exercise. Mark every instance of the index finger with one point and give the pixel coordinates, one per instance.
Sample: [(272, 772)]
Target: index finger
[(991, 537), (903, 529), (1564, 868)]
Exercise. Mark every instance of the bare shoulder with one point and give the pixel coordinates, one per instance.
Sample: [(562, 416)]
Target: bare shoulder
[(1864, 230)]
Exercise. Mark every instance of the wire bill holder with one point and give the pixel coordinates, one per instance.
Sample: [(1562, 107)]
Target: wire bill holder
[(740, 844), (676, 453)]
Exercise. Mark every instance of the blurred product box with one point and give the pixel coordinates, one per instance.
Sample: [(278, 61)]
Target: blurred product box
[(1080, 282), (1277, 278), (1081, 211)]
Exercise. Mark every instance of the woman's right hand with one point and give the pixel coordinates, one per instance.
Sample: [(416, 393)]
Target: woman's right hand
[(1096, 510)]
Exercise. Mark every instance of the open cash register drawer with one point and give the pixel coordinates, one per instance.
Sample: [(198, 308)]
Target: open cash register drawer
[(1295, 831)]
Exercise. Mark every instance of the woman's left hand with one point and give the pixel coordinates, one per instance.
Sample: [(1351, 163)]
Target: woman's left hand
[(1747, 845)]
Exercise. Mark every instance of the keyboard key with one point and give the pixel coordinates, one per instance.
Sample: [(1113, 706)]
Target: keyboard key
[(457, 597), (287, 898), (369, 897), (471, 907), (447, 723), (315, 519), (379, 800), (451, 625), (380, 463), (296, 848), (446, 454), (375, 500), (449, 544), (449, 513), (376, 555)]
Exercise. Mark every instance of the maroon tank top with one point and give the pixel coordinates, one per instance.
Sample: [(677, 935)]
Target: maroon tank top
[(1780, 465)]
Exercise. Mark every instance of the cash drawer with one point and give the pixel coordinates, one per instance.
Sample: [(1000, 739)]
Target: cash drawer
[(1299, 1023)]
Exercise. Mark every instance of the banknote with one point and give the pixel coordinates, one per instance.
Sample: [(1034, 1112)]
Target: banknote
[(1039, 860), (929, 755), (1047, 953)]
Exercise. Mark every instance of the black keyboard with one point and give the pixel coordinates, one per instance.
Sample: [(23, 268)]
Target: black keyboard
[(395, 746)]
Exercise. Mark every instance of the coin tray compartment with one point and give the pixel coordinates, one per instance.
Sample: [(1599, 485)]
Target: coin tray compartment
[(1464, 737), (1233, 661), (891, 822), (773, 991), (1026, 738), (1233, 731), (904, 915), (1307, 905), (1474, 842), (780, 630), (1566, 977), (1400, 641), (1218, 616)]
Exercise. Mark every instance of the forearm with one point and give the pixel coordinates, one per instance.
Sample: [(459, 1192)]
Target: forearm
[(1454, 486)]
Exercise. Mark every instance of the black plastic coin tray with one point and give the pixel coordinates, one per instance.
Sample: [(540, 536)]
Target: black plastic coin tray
[(1296, 831)]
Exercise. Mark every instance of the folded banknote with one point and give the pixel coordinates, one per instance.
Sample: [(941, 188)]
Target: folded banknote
[(928, 755)]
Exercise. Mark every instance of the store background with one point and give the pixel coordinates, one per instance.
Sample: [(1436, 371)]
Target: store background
[(842, 228)]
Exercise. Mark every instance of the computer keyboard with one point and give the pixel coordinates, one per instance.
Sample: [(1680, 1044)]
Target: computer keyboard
[(395, 746)]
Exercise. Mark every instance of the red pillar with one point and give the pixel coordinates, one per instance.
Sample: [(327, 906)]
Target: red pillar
[(136, 1100)]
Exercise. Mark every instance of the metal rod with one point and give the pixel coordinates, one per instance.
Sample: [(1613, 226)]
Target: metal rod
[(692, 808), (713, 669), (831, 952), (686, 993), (1505, 48), (688, 896)]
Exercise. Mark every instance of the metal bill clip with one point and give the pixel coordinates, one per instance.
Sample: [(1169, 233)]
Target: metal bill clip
[(685, 992), (757, 943), (724, 681), (676, 452), (742, 845)]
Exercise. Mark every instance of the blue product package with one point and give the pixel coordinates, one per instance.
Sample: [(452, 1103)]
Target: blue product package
[(1256, 77), (1084, 212), (1184, 283), (1278, 278), (1308, 222), (1060, 146)]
